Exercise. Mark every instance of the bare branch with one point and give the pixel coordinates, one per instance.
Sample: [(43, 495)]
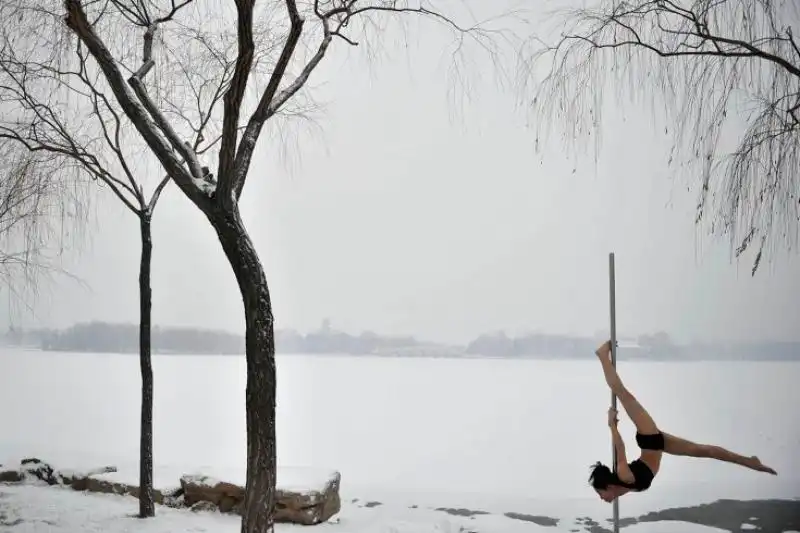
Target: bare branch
[(40, 127), (182, 147), (139, 12), (704, 63), (334, 17), (77, 21), (151, 205), (234, 96), (265, 108), (38, 86)]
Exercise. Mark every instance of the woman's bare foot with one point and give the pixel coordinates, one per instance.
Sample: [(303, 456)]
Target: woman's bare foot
[(604, 350), (761, 467)]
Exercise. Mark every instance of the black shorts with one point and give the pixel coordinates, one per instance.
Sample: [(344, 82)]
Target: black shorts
[(642, 475), (651, 442)]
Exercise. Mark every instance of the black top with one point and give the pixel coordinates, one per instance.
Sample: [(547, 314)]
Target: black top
[(642, 476)]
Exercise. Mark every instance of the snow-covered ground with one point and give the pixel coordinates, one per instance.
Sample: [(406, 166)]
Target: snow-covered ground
[(409, 436), (33, 509)]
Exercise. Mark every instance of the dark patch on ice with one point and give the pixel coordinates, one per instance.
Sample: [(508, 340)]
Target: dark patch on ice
[(372, 504), (460, 512), (623, 522), (773, 516), (544, 521), (594, 527), (7, 522), (589, 525)]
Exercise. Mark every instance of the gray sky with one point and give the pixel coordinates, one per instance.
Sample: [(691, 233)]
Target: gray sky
[(406, 211)]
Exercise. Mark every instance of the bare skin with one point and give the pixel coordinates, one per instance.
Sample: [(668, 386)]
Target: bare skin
[(645, 425)]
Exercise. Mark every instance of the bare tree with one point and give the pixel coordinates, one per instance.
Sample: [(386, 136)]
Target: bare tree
[(257, 57), (717, 66), (58, 111), (40, 205)]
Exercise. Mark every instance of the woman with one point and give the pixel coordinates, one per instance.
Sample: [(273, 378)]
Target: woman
[(638, 475)]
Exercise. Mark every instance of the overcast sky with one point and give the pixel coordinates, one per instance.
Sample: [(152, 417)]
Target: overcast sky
[(407, 211)]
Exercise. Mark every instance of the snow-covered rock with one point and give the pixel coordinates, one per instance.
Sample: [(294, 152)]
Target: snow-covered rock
[(33, 470), (10, 474), (303, 496)]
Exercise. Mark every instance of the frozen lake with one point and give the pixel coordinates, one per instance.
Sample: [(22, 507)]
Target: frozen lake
[(515, 429)]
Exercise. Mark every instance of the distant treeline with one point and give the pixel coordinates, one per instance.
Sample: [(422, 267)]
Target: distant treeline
[(104, 337), (501, 345), (745, 351), (656, 347), (544, 345)]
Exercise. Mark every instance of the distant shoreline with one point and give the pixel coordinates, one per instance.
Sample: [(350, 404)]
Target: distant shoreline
[(462, 356), (105, 337)]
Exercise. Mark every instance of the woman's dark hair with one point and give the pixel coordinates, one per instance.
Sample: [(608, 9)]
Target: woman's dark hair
[(602, 476)]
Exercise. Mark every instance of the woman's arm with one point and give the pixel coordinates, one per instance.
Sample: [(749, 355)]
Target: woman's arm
[(623, 470)]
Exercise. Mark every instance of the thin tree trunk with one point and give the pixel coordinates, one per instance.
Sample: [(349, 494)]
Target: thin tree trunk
[(259, 498), (146, 505)]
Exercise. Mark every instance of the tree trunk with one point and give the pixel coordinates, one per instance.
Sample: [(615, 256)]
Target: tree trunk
[(146, 505), (259, 498)]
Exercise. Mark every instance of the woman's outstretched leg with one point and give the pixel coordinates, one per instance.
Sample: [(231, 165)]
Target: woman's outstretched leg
[(639, 416), (676, 446)]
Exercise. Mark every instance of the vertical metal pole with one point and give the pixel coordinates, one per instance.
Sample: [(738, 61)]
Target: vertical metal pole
[(613, 314)]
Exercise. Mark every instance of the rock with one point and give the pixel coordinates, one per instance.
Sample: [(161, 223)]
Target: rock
[(227, 504), (38, 469), (34, 469), (105, 486), (175, 500), (79, 483), (74, 478), (202, 488), (79, 480), (97, 483), (10, 476), (307, 507)]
